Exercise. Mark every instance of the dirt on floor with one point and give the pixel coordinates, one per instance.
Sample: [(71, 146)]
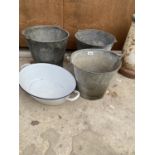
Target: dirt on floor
[(83, 127)]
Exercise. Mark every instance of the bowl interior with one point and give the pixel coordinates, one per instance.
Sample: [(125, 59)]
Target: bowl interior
[(46, 81), (46, 34), (95, 37)]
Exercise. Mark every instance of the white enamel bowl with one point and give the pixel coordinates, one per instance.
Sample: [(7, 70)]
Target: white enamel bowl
[(48, 83)]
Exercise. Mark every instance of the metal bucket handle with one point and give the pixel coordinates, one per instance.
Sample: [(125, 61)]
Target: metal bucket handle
[(119, 54)]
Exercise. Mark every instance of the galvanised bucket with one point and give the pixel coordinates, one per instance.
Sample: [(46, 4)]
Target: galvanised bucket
[(93, 38), (47, 43), (93, 70)]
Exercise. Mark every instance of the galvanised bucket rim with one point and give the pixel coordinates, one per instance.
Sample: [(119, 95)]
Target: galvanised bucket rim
[(45, 26), (97, 30), (97, 50)]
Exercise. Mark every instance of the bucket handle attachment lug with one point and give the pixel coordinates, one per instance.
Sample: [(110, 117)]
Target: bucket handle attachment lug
[(119, 54), (24, 34)]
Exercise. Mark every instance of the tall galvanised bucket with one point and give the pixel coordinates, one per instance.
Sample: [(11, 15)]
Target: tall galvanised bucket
[(93, 70)]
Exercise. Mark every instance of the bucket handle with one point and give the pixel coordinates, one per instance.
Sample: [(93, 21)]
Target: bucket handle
[(75, 97), (119, 54)]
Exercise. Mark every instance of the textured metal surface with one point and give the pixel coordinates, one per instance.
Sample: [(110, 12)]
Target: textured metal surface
[(92, 38), (47, 43), (94, 69)]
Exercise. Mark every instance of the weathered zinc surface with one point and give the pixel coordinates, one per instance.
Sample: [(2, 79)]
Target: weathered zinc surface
[(84, 127)]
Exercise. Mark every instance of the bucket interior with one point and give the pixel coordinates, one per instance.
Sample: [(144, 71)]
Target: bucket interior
[(95, 61), (45, 34), (95, 37)]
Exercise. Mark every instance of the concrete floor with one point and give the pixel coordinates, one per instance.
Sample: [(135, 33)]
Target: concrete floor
[(84, 127)]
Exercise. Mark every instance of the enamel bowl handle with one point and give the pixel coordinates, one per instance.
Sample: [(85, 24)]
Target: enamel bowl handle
[(75, 97)]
